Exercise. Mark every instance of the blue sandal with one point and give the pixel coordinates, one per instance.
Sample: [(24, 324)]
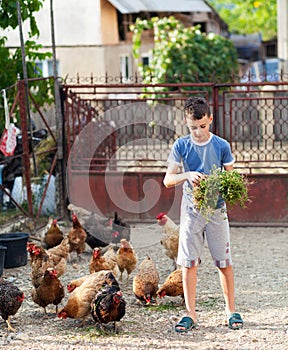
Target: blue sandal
[(185, 325), (235, 321)]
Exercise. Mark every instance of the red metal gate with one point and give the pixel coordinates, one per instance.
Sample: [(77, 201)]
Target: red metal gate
[(119, 137)]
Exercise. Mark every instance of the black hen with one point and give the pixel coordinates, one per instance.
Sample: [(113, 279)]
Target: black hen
[(11, 299), (102, 233), (108, 304), (121, 229)]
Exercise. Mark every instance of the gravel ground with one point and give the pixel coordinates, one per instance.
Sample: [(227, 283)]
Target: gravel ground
[(260, 266)]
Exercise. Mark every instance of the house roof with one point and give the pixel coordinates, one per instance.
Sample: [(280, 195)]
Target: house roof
[(136, 6)]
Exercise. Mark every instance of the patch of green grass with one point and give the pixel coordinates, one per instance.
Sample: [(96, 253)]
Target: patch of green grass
[(7, 216), (162, 307), (210, 303)]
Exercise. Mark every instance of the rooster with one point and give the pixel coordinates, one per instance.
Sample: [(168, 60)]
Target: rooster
[(77, 236), (99, 262), (11, 299), (170, 239), (172, 286), (53, 236), (49, 291), (145, 282), (126, 258), (108, 304)]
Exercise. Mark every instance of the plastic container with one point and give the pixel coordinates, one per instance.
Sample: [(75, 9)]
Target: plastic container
[(2, 258), (16, 253)]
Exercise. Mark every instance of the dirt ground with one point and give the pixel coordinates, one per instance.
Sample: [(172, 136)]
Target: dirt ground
[(260, 266)]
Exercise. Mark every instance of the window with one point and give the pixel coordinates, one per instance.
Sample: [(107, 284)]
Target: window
[(125, 67), (47, 67), (145, 60)]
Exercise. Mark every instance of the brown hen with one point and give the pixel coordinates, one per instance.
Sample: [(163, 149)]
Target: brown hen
[(49, 291), (126, 258), (77, 236), (78, 305), (58, 256), (53, 236), (78, 281), (172, 286), (145, 282), (99, 262)]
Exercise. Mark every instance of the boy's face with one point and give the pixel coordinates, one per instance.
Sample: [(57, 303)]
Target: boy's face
[(199, 128)]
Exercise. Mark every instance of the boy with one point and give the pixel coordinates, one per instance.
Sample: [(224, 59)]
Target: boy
[(199, 152)]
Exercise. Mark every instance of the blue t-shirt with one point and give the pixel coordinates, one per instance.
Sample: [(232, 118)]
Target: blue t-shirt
[(200, 157)]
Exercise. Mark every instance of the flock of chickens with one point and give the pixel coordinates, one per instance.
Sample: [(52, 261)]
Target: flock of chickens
[(97, 294)]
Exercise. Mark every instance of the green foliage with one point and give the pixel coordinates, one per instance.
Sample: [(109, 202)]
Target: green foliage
[(232, 186), (9, 14), (248, 17), (11, 60), (184, 54)]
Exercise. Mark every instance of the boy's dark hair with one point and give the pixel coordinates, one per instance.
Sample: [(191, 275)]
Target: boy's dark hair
[(196, 108)]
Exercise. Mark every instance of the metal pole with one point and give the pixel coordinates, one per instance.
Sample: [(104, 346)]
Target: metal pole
[(25, 144), (25, 76), (59, 122)]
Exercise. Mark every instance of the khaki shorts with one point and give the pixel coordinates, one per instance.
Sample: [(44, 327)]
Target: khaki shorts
[(193, 227)]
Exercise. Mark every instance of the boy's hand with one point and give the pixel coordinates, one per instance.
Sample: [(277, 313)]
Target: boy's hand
[(194, 177)]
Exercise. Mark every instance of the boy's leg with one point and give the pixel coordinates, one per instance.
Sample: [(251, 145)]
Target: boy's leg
[(189, 276), (189, 288), (218, 239), (227, 282)]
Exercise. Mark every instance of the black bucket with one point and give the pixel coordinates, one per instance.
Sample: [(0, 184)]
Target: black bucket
[(2, 258), (16, 253)]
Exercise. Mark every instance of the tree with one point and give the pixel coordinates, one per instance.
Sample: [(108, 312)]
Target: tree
[(11, 61), (184, 54), (249, 16)]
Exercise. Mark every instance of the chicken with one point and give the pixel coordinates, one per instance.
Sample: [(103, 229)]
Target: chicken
[(49, 291), (41, 259), (77, 282), (170, 239), (121, 229), (98, 229), (58, 256), (36, 253), (126, 258), (77, 236), (145, 282), (11, 299), (101, 231), (78, 305), (172, 286), (39, 262), (108, 304), (99, 262), (53, 236)]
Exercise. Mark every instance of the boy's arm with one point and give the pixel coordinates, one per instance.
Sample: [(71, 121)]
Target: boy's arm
[(173, 178)]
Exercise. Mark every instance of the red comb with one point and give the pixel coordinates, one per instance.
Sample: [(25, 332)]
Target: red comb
[(160, 216)]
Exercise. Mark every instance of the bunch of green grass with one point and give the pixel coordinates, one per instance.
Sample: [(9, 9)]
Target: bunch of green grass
[(232, 186)]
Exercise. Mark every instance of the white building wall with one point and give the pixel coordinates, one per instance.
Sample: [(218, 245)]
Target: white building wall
[(76, 23)]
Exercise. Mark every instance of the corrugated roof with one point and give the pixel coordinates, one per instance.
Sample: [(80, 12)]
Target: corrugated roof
[(136, 6)]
